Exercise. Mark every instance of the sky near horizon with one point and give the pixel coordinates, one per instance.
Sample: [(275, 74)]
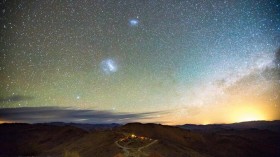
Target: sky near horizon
[(170, 62)]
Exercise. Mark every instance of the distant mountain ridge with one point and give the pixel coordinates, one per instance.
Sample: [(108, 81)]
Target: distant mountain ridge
[(85, 126), (63, 139), (261, 125)]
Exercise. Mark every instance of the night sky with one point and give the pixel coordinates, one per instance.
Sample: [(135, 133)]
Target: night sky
[(169, 62)]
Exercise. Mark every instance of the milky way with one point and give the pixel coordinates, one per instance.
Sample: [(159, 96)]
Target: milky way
[(185, 61)]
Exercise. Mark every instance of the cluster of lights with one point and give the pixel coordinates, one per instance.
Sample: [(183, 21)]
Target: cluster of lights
[(132, 145), (133, 136)]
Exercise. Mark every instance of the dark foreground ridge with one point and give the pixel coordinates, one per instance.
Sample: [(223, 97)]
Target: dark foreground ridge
[(250, 139)]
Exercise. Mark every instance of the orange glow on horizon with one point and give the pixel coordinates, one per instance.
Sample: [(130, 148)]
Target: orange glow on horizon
[(2, 122), (233, 112), (249, 116)]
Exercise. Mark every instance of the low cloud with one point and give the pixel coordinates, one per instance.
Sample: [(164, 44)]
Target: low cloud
[(15, 98), (55, 114)]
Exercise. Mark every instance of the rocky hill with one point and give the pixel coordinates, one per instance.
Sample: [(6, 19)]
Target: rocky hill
[(171, 141)]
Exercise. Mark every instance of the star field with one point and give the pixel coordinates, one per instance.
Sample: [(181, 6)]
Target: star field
[(187, 61)]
